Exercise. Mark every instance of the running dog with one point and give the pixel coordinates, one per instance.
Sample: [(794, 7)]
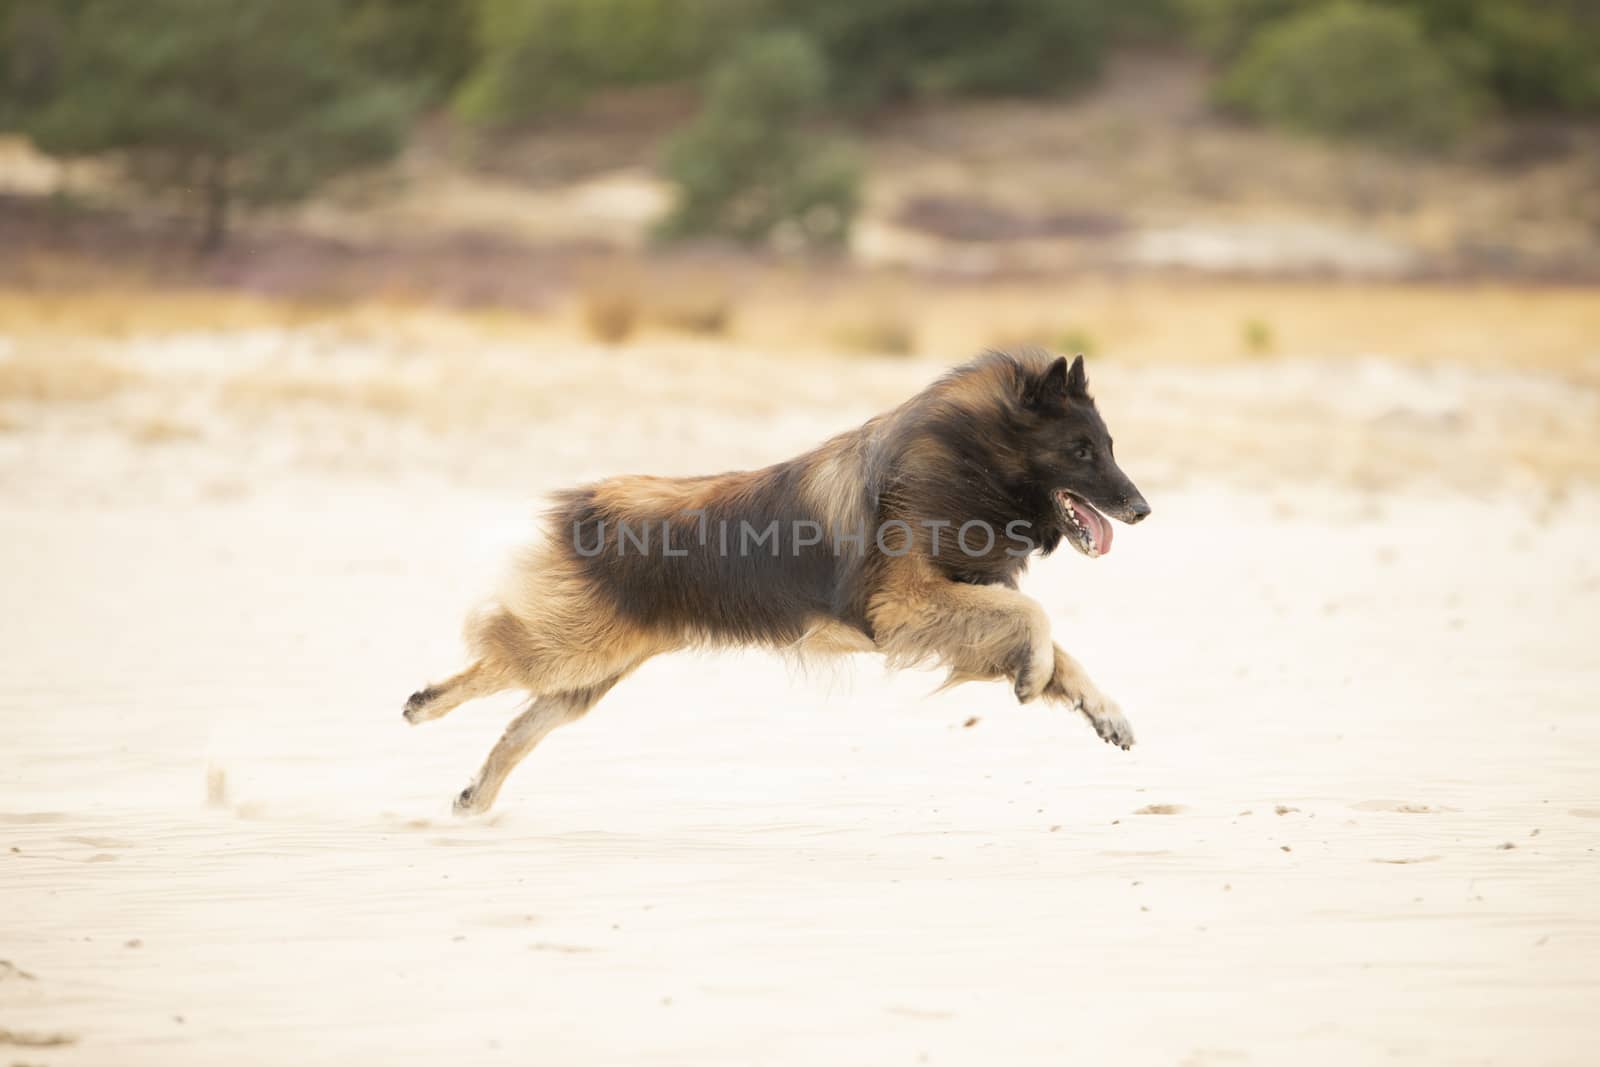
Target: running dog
[(904, 536)]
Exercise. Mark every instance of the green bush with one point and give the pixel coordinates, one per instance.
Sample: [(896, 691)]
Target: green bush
[(428, 43), (1351, 70), (1224, 28), (881, 51), (1526, 54), (1544, 53), (34, 37), (747, 169), (220, 100), (1529, 54), (539, 56)]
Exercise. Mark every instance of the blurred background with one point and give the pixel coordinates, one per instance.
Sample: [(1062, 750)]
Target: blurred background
[(1323, 258), (373, 200)]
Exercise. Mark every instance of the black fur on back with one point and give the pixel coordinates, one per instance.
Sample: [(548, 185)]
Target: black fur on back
[(733, 582)]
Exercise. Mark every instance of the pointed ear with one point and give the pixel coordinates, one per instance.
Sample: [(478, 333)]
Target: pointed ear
[(1077, 380), (1051, 387)]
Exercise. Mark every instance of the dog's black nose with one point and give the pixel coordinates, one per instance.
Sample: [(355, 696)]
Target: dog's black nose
[(1138, 510)]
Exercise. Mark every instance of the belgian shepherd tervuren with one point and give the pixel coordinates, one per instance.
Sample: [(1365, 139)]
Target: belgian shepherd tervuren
[(904, 536)]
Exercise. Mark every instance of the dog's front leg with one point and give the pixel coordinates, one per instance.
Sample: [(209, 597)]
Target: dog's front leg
[(978, 631), (1070, 685)]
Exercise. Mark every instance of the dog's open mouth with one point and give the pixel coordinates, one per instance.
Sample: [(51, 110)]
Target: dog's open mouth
[(1087, 529)]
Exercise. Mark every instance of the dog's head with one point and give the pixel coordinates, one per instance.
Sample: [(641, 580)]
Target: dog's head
[(1070, 455)]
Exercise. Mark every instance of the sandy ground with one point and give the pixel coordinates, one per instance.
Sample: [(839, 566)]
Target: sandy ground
[(1360, 824)]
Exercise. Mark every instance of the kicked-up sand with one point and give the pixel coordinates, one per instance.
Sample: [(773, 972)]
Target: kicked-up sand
[(1360, 824)]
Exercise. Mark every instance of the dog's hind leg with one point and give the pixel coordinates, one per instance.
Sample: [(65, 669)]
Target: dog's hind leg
[(1070, 685), (436, 701), (544, 714)]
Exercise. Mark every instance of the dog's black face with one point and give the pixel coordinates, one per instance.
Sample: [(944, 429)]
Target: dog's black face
[(1070, 452)]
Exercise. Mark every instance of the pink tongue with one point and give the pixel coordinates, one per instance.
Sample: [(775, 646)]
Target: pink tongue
[(1097, 525)]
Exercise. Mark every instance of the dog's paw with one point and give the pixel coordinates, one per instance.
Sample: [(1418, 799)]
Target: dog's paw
[(471, 802), (416, 709), (1107, 720)]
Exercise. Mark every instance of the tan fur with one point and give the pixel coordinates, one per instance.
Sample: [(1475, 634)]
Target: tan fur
[(550, 634), (541, 716), (830, 638), (921, 617), (558, 633), (649, 495)]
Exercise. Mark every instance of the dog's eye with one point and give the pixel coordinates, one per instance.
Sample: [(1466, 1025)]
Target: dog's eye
[(1083, 452)]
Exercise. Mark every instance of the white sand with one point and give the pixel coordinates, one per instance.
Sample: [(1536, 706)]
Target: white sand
[(727, 864)]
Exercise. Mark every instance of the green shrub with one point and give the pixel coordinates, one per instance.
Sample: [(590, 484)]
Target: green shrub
[(427, 43), (1543, 53), (1526, 54), (886, 50), (220, 100), (1351, 70), (747, 169), (543, 55), (1224, 28), (1258, 337), (34, 39), (1145, 21)]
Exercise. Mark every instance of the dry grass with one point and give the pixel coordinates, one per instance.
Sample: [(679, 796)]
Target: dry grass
[(1188, 321), (610, 302), (48, 376), (1074, 340), (1140, 320), (698, 308), (120, 309), (884, 332), (345, 390), (160, 430), (267, 391), (610, 313)]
